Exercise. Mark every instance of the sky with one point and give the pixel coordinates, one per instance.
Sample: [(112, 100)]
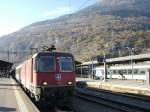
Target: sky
[(15, 14)]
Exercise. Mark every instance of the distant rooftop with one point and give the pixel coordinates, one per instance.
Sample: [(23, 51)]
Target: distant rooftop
[(89, 63), (135, 58), (5, 65)]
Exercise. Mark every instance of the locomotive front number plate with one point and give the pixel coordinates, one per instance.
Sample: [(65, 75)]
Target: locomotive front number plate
[(58, 77)]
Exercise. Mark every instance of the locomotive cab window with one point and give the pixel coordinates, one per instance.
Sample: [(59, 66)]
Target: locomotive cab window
[(46, 64), (66, 64)]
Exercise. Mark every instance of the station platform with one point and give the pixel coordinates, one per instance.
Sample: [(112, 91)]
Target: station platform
[(12, 98), (137, 87)]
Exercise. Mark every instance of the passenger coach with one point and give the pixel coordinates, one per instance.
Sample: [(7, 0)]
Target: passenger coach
[(139, 72)]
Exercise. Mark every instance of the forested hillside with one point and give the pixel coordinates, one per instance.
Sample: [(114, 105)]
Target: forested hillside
[(109, 27)]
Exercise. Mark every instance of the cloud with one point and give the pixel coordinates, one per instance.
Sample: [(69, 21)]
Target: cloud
[(57, 12)]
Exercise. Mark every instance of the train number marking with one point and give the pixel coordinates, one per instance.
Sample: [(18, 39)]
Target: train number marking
[(58, 77)]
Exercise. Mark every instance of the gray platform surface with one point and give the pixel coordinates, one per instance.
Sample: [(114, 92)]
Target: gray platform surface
[(130, 83), (13, 98), (138, 87), (8, 102)]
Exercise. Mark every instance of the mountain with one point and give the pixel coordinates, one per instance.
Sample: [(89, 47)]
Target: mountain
[(127, 7), (109, 26)]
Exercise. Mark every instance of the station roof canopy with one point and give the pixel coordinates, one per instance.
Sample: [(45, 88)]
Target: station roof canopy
[(119, 60), (135, 58), (89, 63), (5, 65)]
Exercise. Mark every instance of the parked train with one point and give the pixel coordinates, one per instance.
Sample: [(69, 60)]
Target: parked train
[(49, 77), (139, 71)]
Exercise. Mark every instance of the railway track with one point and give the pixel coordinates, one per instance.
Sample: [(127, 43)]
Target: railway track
[(120, 102), (54, 109), (44, 107), (41, 107), (133, 96)]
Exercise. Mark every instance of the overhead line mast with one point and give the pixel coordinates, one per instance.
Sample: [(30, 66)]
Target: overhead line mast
[(14, 52), (86, 1), (8, 53)]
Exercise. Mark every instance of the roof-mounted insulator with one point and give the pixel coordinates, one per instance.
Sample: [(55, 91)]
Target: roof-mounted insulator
[(48, 49), (52, 48)]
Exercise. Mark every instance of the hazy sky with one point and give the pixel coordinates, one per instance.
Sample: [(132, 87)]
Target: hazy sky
[(15, 14)]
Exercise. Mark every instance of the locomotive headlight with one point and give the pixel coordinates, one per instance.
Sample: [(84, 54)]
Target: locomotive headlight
[(69, 83), (45, 83)]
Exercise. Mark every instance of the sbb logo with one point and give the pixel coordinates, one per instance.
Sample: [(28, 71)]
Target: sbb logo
[(58, 77)]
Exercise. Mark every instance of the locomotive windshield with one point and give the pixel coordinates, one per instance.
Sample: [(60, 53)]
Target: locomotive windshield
[(46, 64), (66, 64)]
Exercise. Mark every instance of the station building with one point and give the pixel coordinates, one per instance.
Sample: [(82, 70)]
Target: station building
[(128, 67)]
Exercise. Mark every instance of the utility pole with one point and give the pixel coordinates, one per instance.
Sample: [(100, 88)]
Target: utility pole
[(92, 68), (104, 61), (8, 55), (132, 62), (105, 71), (131, 59), (32, 49)]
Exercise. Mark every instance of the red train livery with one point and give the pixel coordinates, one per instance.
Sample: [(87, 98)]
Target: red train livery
[(48, 76)]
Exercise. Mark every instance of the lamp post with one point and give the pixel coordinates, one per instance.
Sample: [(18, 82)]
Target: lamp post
[(81, 72), (92, 68), (131, 58), (92, 65)]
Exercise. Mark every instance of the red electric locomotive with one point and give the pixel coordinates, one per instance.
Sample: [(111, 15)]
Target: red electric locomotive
[(49, 77)]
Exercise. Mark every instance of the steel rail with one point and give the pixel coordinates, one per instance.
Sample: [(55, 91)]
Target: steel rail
[(135, 96), (109, 103)]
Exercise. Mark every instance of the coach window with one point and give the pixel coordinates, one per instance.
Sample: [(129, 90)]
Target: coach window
[(46, 64), (142, 72), (136, 71), (124, 71), (66, 64), (120, 71), (129, 71), (109, 72), (114, 72)]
